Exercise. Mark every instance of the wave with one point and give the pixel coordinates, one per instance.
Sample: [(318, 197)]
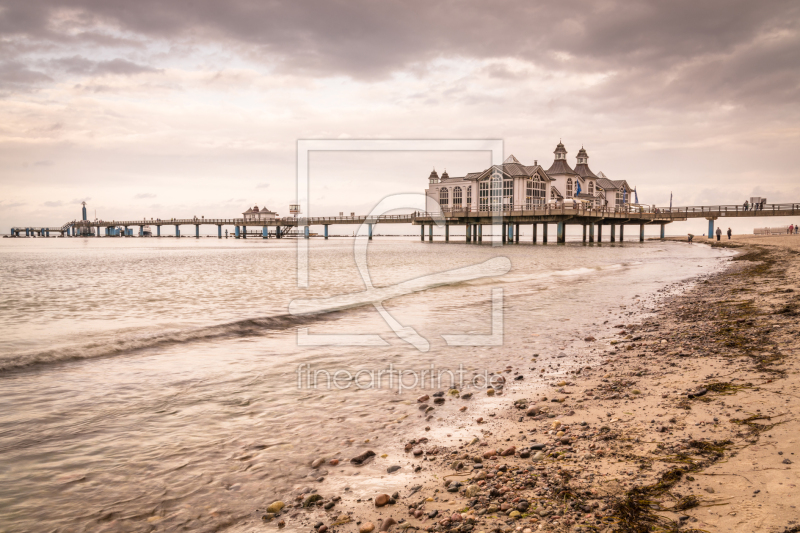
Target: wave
[(120, 345)]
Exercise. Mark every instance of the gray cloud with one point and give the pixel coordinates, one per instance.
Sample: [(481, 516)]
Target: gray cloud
[(17, 76), (144, 195), (57, 203), (81, 65), (711, 51)]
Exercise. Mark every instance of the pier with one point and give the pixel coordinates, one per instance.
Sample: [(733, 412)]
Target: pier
[(594, 221)]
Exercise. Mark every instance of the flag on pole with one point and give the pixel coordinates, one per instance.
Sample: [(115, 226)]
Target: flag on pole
[(624, 196), (670, 200), (579, 189), (636, 195)]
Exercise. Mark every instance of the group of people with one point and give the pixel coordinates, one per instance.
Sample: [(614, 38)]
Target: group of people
[(719, 233), (792, 229), (755, 207)]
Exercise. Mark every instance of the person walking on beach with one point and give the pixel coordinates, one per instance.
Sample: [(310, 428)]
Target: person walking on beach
[(746, 205), (719, 233), (729, 233), (690, 238), (791, 229)]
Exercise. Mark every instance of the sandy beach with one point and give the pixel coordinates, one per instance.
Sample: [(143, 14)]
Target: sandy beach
[(681, 421)]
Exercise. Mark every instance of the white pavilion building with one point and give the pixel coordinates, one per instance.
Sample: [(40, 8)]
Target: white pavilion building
[(519, 187)]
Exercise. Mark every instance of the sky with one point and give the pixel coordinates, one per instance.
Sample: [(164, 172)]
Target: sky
[(184, 108)]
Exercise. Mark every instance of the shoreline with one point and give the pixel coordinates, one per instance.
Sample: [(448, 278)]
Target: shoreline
[(648, 422)]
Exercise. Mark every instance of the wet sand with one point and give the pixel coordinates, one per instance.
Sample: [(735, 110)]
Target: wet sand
[(683, 419)]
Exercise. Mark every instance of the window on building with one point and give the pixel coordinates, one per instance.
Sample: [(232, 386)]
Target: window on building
[(590, 188), (497, 193), (569, 188), (469, 196), (619, 199), (508, 194), (483, 197), (443, 196), (457, 197), (535, 193)]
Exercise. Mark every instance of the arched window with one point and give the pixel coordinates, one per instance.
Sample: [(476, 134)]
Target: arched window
[(591, 188), (443, 199), (483, 198), (569, 188), (457, 197), (469, 196)]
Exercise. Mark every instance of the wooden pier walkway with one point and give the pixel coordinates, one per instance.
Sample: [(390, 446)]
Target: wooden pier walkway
[(510, 218)]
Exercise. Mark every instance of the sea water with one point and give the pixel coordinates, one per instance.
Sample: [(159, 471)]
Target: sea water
[(156, 384)]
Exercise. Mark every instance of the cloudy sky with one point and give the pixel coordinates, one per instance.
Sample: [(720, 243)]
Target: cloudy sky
[(171, 109)]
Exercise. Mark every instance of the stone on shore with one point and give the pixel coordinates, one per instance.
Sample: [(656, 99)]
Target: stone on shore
[(381, 500), (275, 507), (359, 459), (366, 527)]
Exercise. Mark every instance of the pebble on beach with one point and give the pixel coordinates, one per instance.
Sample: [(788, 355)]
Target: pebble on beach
[(366, 527)]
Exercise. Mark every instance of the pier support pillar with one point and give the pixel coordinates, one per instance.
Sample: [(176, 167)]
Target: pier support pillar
[(219, 231), (370, 231), (126, 231), (641, 232), (475, 232), (613, 232), (621, 232), (662, 230), (503, 232), (422, 233), (158, 231), (305, 232), (544, 233), (447, 232), (197, 231), (236, 231), (47, 232), (265, 232), (562, 237), (177, 230), (277, 232), (591, 232), (27, 232), (326, 232), (599, 233), (141, 231), (710, 228), (535, 227), (430, 233), (584, 233), (244, 232), (469, 232), (516, 232), (480, 232)]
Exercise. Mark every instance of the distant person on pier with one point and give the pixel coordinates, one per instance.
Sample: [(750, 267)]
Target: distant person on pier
[(690, 238), (719, 233), (746, 205), (729, 233)]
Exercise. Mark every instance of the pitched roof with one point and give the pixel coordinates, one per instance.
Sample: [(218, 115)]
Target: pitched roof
[(606, 184), (512, 159), (555, 192), (560, 166), (584, 171)]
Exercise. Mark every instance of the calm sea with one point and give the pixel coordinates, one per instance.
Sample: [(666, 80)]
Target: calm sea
[(152, 384)]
